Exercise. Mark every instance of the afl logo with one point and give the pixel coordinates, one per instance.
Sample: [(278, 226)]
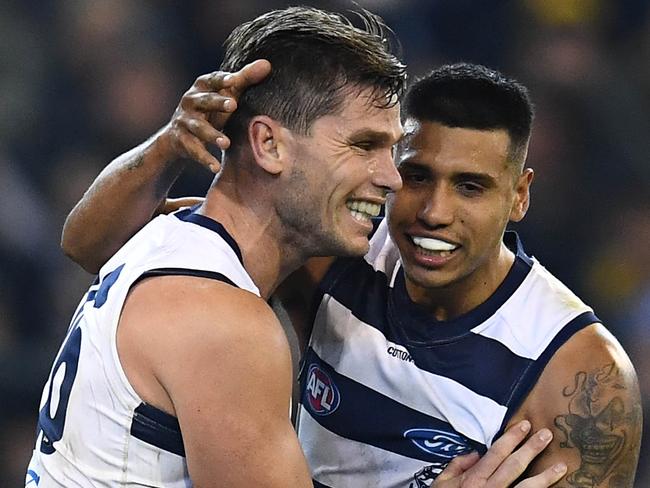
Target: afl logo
[(322, 394), (439, 442)]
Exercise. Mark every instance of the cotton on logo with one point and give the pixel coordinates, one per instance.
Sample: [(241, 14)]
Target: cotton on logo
[(322, 395)]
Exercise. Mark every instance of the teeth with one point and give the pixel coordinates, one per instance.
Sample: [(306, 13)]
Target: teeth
[(360, 216), (362, 210), (441, 247)]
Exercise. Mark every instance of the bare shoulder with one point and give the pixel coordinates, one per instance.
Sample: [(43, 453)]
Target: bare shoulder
[(588, 395), (201, 324), (192, 305), (216, 357)]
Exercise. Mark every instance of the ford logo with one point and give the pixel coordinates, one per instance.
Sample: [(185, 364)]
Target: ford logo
[(439, 442)]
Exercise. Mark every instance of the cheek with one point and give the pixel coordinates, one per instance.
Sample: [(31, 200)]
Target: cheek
[(403, 204), (486, 226), (346, 177)]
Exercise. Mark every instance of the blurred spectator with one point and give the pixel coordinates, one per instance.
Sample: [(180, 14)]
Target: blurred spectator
[(83, 80)]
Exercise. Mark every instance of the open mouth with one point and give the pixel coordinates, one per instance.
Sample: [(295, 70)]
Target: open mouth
[(362, 210), (430, 246)]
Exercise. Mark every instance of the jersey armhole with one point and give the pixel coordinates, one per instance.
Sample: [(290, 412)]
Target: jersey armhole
[(199, 273), (529, 379)]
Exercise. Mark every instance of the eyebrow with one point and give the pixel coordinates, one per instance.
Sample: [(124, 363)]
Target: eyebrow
[(380, 137), (409, 163), (484, 179)]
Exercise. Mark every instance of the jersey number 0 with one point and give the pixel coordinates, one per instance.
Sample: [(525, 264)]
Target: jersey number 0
[(51, 418)]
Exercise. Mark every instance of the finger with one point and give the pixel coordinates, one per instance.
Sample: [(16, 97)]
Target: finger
[(172, 204), (501, 449), (546, 478), (212, 81), (204, 131), (208, 102), (251, 74), (515, 464), (197, 151), (238, 81), (457, 466)]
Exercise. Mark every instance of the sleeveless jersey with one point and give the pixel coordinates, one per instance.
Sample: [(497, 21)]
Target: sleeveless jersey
[(389, 395), (93, 428)]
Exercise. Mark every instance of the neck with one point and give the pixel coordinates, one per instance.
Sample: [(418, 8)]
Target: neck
[(249, 216), (464, 295)]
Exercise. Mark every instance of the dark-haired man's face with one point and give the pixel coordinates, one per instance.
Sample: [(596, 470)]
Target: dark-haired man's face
[(344, 169), (459, 192)]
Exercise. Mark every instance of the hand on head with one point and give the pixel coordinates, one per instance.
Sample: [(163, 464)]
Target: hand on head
[(204, 110)]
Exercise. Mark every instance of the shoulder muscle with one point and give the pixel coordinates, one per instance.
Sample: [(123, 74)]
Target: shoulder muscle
[(223, 359), (588, 395)]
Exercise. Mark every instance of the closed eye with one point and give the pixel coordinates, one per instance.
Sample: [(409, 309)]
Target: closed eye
[(364, 145)]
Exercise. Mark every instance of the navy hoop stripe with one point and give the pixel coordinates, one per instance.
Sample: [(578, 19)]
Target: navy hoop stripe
[(190, 215), (157, 428)]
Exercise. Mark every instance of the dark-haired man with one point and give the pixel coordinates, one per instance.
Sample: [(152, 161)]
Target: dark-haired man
[(447, 332), (174, 371), (175, 335)]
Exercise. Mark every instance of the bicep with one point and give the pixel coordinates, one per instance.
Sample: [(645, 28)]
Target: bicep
[(231, 396), (588, 396)]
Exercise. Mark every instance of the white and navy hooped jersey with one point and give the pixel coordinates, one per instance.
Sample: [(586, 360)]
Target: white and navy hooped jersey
[(93, 428), (389, 395)]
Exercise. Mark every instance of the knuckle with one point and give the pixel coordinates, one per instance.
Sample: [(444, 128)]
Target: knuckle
[(519, 464), (186, 140), (202, 101), (472, 481), (216, 78), (515, 464), (192, 125), (187, 97)]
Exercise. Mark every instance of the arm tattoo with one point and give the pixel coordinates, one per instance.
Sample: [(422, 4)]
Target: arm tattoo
[(602, 427)]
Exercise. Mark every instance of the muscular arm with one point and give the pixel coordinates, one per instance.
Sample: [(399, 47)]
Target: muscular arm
[(120, 201), (589, 396), (215, 357), (127, 193)]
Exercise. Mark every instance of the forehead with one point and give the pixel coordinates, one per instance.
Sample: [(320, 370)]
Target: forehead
[(361, 111), (435, 143)]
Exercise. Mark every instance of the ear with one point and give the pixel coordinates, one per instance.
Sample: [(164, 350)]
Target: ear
[(522, 195), (265, 137)]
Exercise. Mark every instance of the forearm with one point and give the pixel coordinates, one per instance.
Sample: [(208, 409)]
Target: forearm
[(120, 201), (128, 191)]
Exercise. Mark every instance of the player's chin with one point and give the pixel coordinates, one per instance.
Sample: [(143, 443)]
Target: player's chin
[(361, 247), (427, 277), (354, 240), (353, 244)]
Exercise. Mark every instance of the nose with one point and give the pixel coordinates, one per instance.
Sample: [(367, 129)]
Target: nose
[(385, 174), (436, 209)]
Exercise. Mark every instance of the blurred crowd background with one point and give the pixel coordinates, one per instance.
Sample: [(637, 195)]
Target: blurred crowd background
[(81, 81)]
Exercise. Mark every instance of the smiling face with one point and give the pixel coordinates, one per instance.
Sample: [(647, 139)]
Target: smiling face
[(340, 175), (459, 191)]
